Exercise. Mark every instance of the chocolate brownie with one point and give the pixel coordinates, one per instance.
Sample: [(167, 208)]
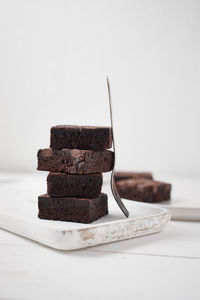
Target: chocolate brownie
[(81, 137), (144, 190), (74, 185), (134, 175), (83, 210), (75, 161)]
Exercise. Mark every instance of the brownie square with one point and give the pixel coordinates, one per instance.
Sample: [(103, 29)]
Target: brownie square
[(135, 189), (81, 137), (74, 185), (81, 210), (144, 190), (75, 161), (132, 175), (162, 191)]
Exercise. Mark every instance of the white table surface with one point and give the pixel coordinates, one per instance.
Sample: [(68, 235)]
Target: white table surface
[(164, 265)]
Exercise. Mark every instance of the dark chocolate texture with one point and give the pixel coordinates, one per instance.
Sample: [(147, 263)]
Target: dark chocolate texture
[(75, 161), (81, 137), (82, 210), (74, 185)]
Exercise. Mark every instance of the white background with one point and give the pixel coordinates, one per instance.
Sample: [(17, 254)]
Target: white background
[(54, 58)]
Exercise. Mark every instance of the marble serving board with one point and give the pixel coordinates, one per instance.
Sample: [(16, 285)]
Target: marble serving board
[(18, 214)]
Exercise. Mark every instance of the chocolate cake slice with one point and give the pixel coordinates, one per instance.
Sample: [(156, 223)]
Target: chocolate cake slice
[(132, 175), (74, 185), (82, 210), (144, 190), (81, 137), (75, 161)]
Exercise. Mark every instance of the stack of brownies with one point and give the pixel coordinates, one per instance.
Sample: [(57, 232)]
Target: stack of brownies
[(141, 187), (76, 159)]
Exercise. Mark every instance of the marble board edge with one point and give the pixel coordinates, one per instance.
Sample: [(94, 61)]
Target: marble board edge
[(92, 235)]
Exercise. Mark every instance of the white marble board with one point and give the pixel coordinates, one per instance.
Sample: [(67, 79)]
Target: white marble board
[(18, 213)]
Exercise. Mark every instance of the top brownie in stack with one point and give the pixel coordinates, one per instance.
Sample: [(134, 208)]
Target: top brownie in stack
[(81, 137)]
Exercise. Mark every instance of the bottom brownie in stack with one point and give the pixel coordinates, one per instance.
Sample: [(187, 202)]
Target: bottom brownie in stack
[(83, 210)]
